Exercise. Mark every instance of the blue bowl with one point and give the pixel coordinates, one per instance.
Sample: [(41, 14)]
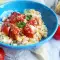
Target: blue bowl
[(48, 16)]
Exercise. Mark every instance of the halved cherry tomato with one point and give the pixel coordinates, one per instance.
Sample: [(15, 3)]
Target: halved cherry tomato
[(33, 22), (20, 17), (16, 17), (28, 31), (5, 28), (12, 19), (14, 31), (14, 13), (57, 34), (2, 54)]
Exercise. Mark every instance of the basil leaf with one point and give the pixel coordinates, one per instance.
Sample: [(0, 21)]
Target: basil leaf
[(28, 17), (21, 24)]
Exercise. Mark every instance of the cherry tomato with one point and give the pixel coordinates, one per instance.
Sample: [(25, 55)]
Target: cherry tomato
[(14, 31), (15, 17), (57, 34), (32, 22), (20, 17), (2, 54), (5, 28), (28, 31), (12, 19), (14, 13)]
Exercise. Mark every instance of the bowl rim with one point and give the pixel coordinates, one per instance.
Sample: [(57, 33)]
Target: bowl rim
[(36, 44)]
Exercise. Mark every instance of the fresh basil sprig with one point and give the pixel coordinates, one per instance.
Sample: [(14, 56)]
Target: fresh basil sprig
[(21, 24), (28, 17)]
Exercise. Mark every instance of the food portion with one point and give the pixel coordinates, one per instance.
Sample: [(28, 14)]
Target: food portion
[(23, 29)]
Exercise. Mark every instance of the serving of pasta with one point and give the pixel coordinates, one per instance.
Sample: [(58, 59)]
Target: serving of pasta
[(23, 29)]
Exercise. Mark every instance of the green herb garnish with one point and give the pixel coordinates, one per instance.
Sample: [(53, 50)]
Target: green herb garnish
[(28, 17), (21, 24)]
